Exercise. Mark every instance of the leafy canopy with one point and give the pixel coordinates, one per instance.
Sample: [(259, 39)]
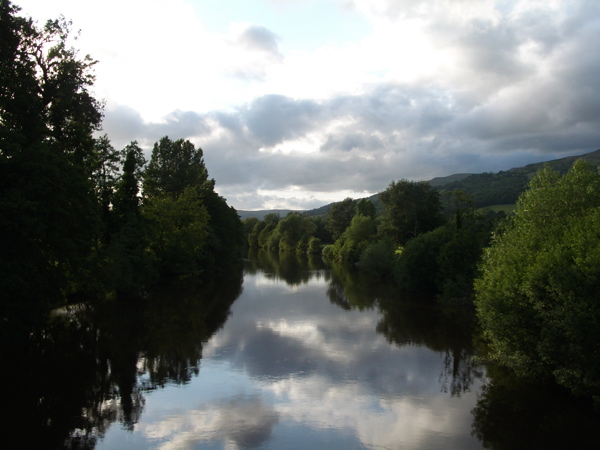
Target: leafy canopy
[(537, 297)]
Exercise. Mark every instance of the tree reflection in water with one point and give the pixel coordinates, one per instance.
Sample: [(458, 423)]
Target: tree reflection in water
[(92, 365), (512, 414), (445, 330), (294, 270), (409, 321)]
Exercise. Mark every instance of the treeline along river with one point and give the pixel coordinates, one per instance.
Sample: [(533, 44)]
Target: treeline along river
[(281, 351)]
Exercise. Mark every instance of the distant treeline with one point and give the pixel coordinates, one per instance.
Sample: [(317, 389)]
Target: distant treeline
[(80, 219), (427, 242)]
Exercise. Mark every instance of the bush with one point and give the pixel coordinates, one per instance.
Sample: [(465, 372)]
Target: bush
[(314, 246), (416, 268), (378, 258)]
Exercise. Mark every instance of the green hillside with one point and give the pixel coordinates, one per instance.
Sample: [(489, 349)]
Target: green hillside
[(504, 187)]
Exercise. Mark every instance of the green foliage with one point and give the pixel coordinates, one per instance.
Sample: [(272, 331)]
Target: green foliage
[(264, 233), (357, 237), (177, 232), (321, 231), (254, 234), (537, 297), (174, 166), (458, 261), (504, 187), (225, 228), (294, 233), (378, 258), (409, 209), (489, 189), (366, 207), (339, 217), (295, 230), (249, 224), (417, 266), (444, 261), (314, 246)]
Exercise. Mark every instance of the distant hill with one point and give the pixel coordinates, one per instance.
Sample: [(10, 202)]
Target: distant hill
[(488, 188), (260, 215), (441, 181), (504, 187), (323, 210)]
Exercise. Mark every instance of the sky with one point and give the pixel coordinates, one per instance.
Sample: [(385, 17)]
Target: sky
[(300, 103)]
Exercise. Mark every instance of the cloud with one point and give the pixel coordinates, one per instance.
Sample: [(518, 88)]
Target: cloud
[(256, 37), (254, 51), (242, 421), (274, 118), (433, 88)]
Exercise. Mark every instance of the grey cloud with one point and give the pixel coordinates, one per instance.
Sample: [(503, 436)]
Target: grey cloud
[(539, 26), (183, 123), (263, 49), (503, 113), (491, 51), (275, 118), (352, 141), (257, 37), (230, 121), (123, 125)]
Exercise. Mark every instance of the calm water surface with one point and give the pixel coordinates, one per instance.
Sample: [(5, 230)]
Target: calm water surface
[(281, 353), (301, 363)]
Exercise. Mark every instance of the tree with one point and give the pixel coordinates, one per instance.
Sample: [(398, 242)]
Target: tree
[(105, 174), (225, 227), (365, 207), (125, 258), (48, 208), (126, 202), (537, 297), (255, 233), (178, 232), (295, 230), (174, 165), (249, 223), (321, 231), (177, 166), (355, 239), (409, 209), (339, 217)]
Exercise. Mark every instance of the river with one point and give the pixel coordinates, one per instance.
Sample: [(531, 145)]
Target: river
[(284, 352)]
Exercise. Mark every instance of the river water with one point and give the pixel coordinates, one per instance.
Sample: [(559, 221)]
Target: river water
[(300, 363), (282, 353)]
